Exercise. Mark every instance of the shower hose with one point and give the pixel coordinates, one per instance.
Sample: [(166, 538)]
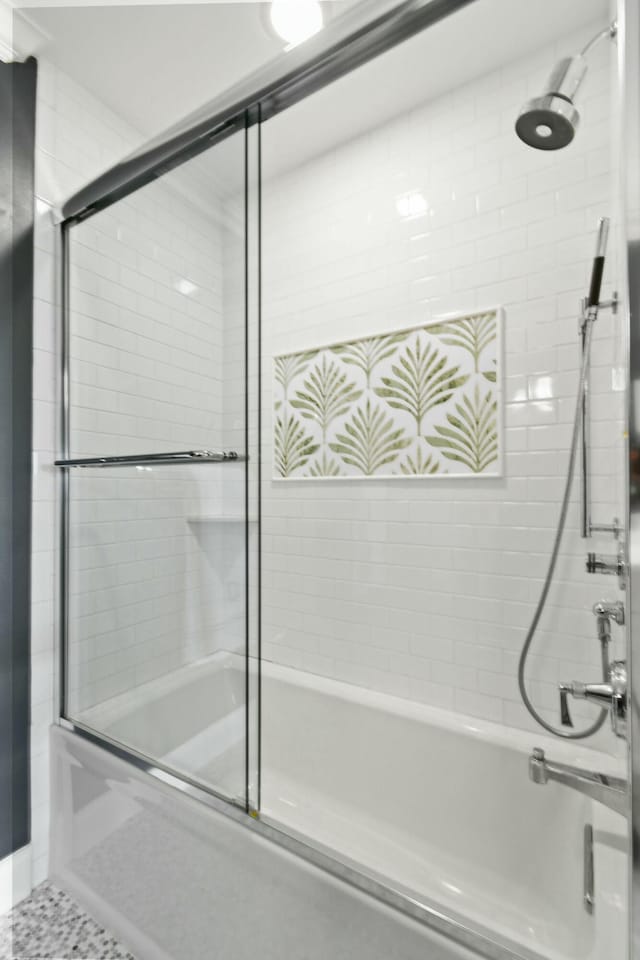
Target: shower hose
[(594, 727)]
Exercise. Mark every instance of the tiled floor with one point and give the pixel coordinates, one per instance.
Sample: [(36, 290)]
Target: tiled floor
[(49, 925)]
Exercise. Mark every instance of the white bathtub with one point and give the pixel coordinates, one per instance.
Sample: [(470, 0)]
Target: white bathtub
[(437, 805), (442, 804)]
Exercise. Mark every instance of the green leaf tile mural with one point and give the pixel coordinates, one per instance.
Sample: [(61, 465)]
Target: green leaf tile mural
[(419, 403)]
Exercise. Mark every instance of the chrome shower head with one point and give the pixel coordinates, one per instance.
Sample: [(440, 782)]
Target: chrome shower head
[(549, 122)]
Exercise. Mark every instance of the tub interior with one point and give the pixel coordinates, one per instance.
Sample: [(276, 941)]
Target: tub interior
[(441, 812), (193, 721)]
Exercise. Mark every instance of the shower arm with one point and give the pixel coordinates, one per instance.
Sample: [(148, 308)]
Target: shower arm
[(609, 33), (549, 121)]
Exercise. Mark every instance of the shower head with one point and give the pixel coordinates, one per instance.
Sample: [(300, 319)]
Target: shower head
[(549, 122)]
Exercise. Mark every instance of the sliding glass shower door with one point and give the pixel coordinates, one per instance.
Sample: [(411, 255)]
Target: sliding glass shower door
[(423, 272), (155, 472)]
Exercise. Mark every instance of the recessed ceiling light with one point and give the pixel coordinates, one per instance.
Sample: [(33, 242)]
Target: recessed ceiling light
[(296, 20)]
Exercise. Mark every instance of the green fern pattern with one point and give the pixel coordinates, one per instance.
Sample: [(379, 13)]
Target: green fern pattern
[(326, 394), (367, 354), (324, 467), (293, 448), (471, 437), (369, 441), (289, 367), (422, 403), (491, 375), (419, 465), (473, 334), (421, 380)]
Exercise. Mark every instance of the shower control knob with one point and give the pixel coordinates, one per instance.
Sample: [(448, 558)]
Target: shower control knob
[(613, 565), (598, 564), (565, 716), (609, 695)]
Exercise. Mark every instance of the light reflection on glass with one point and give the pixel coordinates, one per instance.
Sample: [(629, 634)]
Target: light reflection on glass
[(412, 204), (540, 388)]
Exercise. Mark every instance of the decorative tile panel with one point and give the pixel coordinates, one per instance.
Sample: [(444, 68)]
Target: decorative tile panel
[(422, 402)]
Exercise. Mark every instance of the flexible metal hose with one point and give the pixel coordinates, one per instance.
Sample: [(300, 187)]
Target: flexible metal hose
[(594, 727)]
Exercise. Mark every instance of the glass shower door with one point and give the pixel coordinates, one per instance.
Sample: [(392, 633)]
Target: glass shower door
[(156, 473), (423, 271)]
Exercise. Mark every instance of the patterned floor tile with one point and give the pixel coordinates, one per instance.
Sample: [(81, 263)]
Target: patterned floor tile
[(49, 925)]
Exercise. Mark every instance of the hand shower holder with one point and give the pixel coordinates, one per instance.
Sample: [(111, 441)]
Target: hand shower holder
[(590, 311), (590, 308)]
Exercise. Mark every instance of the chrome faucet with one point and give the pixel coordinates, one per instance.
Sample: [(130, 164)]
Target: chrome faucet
[(611, 695), (611, 791), (611, 692)]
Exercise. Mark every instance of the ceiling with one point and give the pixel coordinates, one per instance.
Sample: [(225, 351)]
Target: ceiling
[(153, 64)]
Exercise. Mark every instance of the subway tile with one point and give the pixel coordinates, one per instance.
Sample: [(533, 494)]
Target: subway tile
[(478, 705)]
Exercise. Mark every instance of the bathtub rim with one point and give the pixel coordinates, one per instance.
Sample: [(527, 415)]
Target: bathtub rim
[(457, 928), (489, 732)]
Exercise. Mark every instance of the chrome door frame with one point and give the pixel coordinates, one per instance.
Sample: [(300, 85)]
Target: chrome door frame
[(363, 33), (65, 463), (629, 161)]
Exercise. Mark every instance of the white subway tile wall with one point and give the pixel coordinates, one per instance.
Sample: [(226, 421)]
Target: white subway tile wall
[(156, 566), (157, 576), (146, 321), (424, 589), (76, 138)]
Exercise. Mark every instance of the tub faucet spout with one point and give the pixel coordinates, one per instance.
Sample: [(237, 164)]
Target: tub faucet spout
[(611, 791)]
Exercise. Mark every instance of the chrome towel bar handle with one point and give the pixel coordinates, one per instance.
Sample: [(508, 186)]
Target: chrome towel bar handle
[(149, 459)]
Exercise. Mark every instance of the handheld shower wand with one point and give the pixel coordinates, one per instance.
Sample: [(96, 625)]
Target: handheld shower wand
[(592, 304), (590, 315), (593, 300)]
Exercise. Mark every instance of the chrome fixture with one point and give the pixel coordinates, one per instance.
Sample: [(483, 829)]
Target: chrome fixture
[(611, 695), (605, 611), (612, 565), (549, 122), (589, 885), (149, 459), (590, 307), (348, 41), (611, 791), (614, 528)]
